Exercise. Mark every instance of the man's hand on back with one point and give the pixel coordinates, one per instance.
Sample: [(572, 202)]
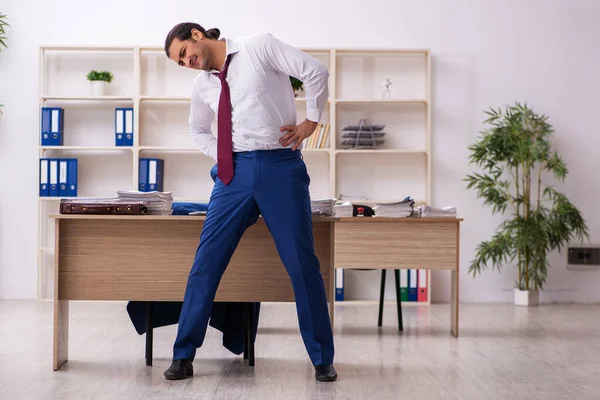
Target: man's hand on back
[(297, 133)]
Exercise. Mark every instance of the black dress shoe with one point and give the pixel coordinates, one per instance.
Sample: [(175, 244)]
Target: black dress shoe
[(179, 369), (325, 373)]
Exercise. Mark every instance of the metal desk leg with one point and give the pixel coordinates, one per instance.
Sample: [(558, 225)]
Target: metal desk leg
[(251, 334), (149, 333), (381, 294), (246, 330), (398, 299)]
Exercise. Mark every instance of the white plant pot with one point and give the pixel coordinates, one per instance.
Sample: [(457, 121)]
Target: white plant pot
[(527, 298), (98, 88)]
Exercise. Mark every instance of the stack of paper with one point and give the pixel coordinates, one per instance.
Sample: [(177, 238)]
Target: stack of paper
[(345, 209), (157, 203), (401, 209), (436, 212), (322, 206)]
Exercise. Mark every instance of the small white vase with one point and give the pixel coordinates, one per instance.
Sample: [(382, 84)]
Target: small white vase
[(527, 298), (98, 88)]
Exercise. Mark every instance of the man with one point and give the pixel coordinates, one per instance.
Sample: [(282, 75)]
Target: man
[(245, 83)]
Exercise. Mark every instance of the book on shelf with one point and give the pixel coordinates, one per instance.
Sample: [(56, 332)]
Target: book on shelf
[(319, 138), (151, 174), (52, 126), (124, 126), (413, 285), (58, 177)]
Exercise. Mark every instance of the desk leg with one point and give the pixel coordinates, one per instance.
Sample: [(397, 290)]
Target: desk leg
[(149, 333), (251, 334), (454, 305), (61, 314), (331, 288), (398, 299), (381, 295), (454, 288), (61, 332), (246, 330)]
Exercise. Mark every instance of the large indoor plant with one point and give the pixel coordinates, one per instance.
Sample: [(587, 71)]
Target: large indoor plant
[(518, 167), (3, 25)]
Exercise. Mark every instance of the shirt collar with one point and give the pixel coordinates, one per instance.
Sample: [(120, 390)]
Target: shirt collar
[(231, 48)]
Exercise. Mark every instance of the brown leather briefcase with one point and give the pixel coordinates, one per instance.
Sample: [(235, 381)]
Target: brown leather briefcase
[(118, 208)]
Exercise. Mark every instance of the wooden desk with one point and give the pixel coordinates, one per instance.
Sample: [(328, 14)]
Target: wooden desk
[(148, 258), (401, 243)]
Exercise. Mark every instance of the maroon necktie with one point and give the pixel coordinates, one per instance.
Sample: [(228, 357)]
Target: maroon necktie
[(224, 142)]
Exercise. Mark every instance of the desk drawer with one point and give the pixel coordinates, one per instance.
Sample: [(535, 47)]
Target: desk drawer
[(396, 244)]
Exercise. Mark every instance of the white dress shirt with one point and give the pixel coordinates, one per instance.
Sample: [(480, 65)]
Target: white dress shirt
[(262, 98)]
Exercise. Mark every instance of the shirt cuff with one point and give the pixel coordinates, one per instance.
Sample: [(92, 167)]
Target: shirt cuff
[(212, 153), (312, 114)]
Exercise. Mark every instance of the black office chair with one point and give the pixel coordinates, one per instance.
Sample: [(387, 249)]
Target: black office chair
[(398, 302)]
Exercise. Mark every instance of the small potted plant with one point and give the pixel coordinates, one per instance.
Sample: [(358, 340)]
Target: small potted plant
[(297, 85), (99, 81)]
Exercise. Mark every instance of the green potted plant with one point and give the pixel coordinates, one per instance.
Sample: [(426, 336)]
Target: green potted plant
[(99, 81), (518, 169), (297, 85), (3, 25)]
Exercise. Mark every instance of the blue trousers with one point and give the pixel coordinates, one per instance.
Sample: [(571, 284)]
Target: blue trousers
[(274, 184)]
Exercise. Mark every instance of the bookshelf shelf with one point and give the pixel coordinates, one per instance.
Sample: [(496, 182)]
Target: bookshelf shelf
[(381, 151), (167, 148), (383, 101), (302, 99), (87, 98), (159, 92), (87, 148), (89, 49), (168, 99)]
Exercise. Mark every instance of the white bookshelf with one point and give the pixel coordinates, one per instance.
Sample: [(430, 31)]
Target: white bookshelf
[(159, 92)]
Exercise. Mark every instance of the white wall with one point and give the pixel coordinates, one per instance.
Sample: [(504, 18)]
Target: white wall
[(485, 53)]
